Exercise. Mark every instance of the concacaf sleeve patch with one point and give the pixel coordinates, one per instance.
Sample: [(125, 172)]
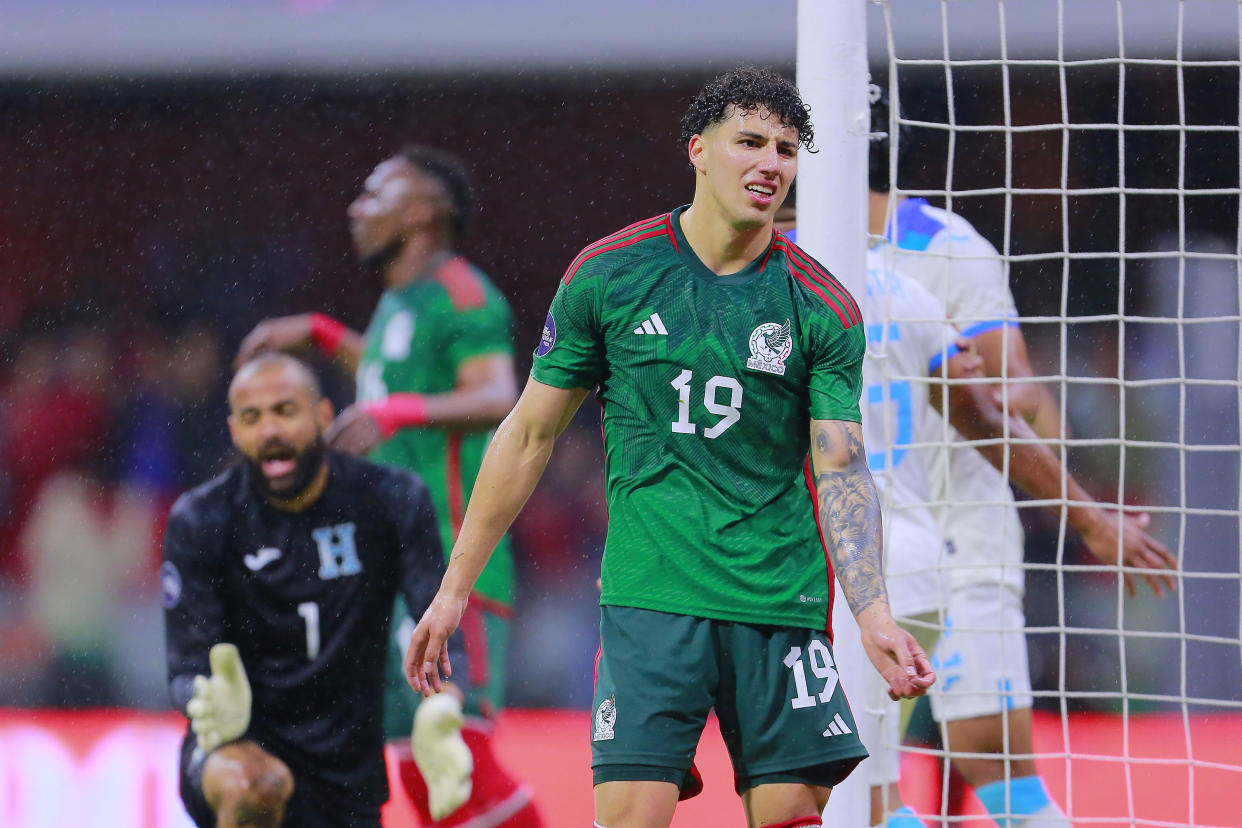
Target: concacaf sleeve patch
[(548, 338), (170, 585)]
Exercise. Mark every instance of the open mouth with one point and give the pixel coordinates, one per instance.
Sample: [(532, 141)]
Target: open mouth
[(761, 193), (278, 462)]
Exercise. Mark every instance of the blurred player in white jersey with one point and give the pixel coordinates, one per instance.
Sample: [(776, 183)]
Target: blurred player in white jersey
[(984, 697), (901, 353), (912, 357)]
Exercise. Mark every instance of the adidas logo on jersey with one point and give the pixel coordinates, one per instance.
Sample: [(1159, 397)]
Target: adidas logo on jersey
[(837, 727), (654, 325)]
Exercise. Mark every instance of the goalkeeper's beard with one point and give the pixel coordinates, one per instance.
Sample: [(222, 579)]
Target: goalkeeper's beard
[(306, 466)]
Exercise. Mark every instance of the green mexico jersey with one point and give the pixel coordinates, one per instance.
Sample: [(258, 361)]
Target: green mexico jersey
[(416, 340), (708, 385)]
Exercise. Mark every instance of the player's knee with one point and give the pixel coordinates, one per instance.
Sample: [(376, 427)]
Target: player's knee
[(623, 804), (272, 788), (251, 789)]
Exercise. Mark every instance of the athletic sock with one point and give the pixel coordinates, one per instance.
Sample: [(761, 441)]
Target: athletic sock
[(1029, 804), (904, 817), (799, 822)]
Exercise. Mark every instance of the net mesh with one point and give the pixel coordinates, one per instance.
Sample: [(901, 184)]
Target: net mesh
[(1096, 145)]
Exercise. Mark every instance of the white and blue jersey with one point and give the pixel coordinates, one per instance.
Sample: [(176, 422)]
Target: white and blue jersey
[(908, 338), (945, 254)]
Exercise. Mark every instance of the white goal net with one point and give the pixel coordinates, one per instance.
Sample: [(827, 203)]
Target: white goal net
[(1095, 144)]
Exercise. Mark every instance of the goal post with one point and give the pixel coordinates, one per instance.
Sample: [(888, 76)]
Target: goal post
[(832, 226), (1096, 144)]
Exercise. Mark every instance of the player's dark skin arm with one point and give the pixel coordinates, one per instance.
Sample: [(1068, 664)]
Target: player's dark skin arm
[(483, 395), (1034, 467), (293, 333), (511, 469), (1004, 354), (849, 513)]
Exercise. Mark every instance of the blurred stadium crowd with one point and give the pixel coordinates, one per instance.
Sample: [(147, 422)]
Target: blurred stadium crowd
[(148, 225)]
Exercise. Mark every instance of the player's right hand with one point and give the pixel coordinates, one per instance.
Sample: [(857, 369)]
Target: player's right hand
[(219, 710), (895, 654), (354, 431), (284, 333), (428, 652)]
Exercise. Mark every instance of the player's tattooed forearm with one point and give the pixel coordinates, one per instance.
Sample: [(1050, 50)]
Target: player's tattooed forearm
[(849, 512)]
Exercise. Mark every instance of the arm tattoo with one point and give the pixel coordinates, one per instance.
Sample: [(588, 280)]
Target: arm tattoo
[(849, 513)]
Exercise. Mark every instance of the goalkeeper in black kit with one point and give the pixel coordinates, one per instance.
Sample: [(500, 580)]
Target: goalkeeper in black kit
[(278, 582)]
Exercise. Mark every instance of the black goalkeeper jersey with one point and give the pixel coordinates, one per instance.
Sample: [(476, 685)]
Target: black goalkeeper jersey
[(307, 599)]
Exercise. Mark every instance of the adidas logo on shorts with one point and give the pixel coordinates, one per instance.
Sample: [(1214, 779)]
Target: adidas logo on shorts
[(837, 727)]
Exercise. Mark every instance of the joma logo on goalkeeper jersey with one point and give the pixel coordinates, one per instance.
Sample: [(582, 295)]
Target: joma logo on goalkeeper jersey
[(770, 345)]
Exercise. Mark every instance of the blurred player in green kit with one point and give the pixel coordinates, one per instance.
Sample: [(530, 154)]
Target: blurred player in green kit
[(434, 375)]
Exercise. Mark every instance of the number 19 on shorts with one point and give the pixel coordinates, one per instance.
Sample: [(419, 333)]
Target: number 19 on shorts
[(819, 657)]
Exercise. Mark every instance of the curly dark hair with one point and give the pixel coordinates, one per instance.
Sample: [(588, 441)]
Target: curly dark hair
[(748, 88), (452, 174)]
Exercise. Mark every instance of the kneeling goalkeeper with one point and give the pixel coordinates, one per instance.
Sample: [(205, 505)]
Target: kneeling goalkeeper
[(278, 582)]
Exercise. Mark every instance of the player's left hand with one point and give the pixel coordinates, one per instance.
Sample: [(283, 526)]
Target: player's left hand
[(219, 710), (354, 431), (428, 653), (895, 654), (1139, 550)]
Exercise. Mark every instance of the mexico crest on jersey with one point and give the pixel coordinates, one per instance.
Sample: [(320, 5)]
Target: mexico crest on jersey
[(770, 345), (605, 720)]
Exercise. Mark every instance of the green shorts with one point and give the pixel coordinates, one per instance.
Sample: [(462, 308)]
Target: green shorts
[(485, 632), (782, 713)]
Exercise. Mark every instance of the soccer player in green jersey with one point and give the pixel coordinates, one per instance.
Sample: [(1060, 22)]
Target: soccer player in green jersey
[(728, 363), (434, 373)]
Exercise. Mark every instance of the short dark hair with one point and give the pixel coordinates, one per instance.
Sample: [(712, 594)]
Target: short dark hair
[(453, 175), (748, 88), (879, 175)]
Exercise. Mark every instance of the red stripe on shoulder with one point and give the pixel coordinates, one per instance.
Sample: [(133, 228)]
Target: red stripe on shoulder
[(817, 272), (818, 291), (594, 251), (668, 226), (463, 285), (773, 245), (636, 227)]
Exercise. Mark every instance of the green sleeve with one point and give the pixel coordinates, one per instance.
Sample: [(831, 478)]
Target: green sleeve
[(485, 329), (836, 370), (570, 353)]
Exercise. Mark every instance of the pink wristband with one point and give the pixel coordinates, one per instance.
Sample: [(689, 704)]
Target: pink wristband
[(326, 333), (398, 411)]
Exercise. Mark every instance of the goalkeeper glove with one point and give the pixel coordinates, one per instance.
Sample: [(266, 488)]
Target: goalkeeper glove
[(219, 710), (441, 754)]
